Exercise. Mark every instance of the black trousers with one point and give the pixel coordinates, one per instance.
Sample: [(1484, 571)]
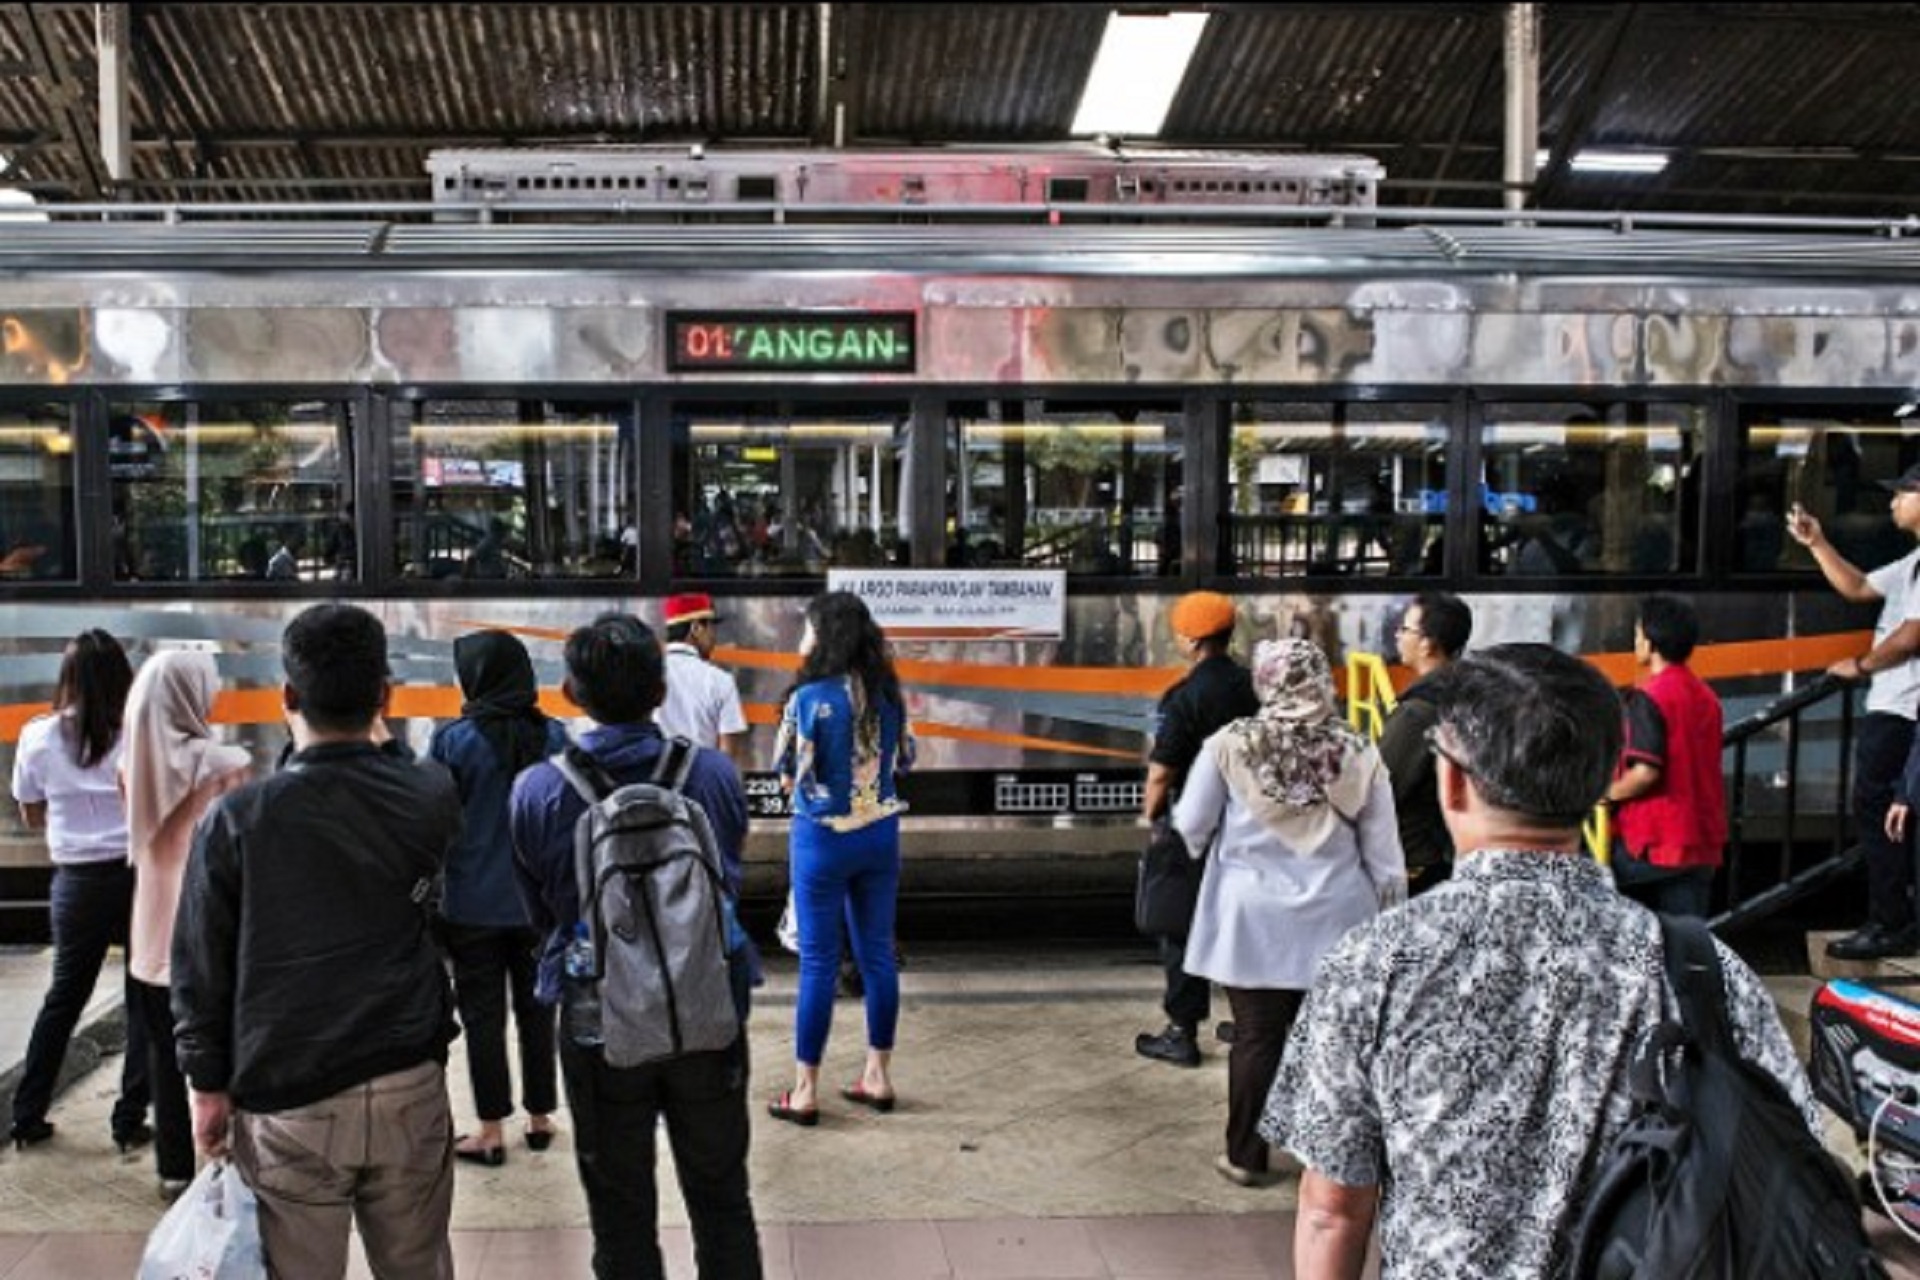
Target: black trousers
[(1262, 1020), (615, 1116), (491, 967), (172, 1119), (92, 902), (1188, 998), (1880, 745)]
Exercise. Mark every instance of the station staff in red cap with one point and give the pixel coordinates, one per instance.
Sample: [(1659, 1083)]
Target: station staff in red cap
[(702, 703)]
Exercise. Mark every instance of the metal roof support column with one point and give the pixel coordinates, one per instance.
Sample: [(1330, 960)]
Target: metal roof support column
[(113, 26), (1522, 133)]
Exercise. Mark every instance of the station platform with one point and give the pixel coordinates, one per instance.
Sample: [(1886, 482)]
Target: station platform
[(1030, 1142)]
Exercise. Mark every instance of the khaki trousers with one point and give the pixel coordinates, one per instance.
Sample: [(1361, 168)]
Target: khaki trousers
[(379, 1154)]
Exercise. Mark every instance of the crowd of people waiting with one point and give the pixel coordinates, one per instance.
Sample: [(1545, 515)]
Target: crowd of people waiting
[(299, 943)]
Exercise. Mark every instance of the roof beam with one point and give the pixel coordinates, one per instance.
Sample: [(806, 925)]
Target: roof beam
[(63, 92), (1585, 110)]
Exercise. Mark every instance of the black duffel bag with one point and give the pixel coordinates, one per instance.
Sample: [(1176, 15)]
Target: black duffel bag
[(1168, 885)]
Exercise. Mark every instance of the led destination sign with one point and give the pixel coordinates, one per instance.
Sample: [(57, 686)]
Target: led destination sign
[(802, 342)]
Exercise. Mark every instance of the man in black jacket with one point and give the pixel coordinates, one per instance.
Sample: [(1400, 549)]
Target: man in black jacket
[(312, 1011), (1215, 691), (1432, 633)]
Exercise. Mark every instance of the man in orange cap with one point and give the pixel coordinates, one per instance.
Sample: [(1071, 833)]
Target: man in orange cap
[(702, 703), (1215, 690)]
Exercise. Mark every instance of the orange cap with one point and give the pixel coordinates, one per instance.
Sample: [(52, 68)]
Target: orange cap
[(1200, 614)]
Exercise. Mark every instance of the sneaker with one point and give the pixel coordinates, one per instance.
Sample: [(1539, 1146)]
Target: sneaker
[(1175, 1045), (172, 1189), (1244, 1177), (1876, 942), (1224, 1033)]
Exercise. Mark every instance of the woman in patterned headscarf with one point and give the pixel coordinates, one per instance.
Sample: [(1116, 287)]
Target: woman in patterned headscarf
[(1294, 813)]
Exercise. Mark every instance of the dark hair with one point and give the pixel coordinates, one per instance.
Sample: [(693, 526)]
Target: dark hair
[(1538, 730), (616, 669), (335, 657), (1670, 625), (1445, 620), (677, 632), (847, 641), (94, 678)]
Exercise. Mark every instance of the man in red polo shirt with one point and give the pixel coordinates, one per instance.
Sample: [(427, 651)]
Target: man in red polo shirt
[(1669, 796)]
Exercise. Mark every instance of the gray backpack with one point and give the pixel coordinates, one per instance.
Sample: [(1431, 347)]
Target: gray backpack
[(651, 887)]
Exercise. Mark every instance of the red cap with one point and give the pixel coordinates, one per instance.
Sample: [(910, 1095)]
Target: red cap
[(690, 607)]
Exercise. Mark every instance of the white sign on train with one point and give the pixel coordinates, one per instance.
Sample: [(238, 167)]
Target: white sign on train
[(961, 604)]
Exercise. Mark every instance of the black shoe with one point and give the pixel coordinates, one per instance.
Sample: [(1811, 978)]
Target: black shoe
[(1224, 1033), (1175, 1045), (130, 1140), (30, 1133), (1876, 942)]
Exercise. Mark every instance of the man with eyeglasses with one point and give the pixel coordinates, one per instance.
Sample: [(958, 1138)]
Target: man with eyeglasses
[(1462, 1063), (1883, 735), (1432, 633)]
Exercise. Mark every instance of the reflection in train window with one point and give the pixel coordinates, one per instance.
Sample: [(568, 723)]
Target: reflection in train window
[(231, 491), (36, 493), (1051, 484), (1587, 488), (764, 489), (491, 490), (1335, 490), (1835, 462)]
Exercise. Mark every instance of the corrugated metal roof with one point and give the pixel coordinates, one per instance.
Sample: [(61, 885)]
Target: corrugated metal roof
[(1769, 107)]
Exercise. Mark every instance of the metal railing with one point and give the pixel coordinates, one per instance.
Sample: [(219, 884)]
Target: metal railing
[(1744, 857)]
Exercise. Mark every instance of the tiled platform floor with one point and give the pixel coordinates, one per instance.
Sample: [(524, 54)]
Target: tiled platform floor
[(1030, 1142)]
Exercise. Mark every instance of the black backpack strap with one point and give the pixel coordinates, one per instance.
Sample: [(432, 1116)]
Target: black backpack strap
[(1693, 967), (675, 763)]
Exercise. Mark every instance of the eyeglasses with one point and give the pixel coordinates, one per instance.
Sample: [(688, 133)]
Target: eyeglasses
[(1437, 748)]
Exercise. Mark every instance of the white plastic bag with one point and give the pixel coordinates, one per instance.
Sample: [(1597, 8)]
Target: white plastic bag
[(788, 930), (211, 1233)]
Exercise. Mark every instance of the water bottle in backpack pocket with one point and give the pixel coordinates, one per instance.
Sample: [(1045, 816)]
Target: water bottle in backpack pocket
[(653, 903)]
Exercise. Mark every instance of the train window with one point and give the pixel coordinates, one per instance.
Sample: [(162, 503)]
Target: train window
[(231, 490), (1590, 488), (1831, 461), (36, 493), (1037, 484), (1346, 490), (769, 489), (491, 490)]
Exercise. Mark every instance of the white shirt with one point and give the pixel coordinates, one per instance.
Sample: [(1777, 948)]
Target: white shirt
[(702, 702), (86, 820), (1897, 689)]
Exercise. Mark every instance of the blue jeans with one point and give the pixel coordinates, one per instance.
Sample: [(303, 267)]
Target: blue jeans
[(92, 902), (842, 878), (615, 1115)]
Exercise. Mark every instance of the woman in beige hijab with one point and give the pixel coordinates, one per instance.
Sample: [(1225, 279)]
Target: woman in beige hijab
[(1298, 811), (171, 769)]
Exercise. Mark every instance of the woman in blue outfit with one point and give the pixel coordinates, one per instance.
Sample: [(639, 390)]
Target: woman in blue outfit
[(64, 782), (843, 739), (493, 946)]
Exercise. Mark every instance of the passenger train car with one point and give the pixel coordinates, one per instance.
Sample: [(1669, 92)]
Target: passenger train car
[(1022, 400)]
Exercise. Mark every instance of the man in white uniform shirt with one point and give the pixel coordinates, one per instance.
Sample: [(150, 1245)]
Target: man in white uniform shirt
[(702, 703), (1883, 735)]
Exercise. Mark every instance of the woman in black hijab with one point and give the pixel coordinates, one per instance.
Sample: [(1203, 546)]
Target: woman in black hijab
[(500, 732)]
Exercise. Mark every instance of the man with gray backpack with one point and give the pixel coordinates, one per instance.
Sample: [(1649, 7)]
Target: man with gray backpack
[(628, 852)]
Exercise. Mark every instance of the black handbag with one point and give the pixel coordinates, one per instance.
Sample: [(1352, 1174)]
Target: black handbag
[(1168, 886)]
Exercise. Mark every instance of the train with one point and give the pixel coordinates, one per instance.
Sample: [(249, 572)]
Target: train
[(1020, 404)]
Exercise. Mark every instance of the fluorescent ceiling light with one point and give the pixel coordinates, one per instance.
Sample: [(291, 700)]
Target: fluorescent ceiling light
[(12, 198), (1142, 59), (1602, 161)]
